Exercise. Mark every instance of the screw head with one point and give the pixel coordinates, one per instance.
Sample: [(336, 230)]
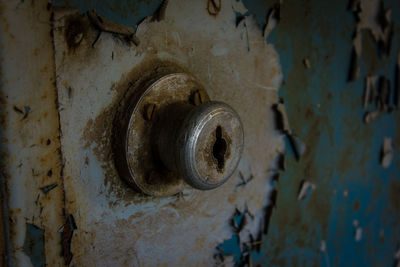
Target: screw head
[(78, 38), (198, 97), (150, 111)]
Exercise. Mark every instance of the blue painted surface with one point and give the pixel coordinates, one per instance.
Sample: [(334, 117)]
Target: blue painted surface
[(343, 152), (34, 245)]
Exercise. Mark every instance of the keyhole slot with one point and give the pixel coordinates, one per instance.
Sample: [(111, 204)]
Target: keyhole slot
[(219, 148)]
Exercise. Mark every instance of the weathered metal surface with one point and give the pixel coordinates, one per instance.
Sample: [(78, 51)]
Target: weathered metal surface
[(233, 63), (30, 147), (347, 215), (4, 233)]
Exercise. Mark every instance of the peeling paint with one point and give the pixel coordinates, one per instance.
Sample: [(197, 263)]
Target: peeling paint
[(34, 245), (387, 152), (67, 231), (305, 187), (342, 154), (29, 136)]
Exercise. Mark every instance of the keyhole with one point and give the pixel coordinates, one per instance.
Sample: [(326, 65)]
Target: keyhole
[(219, 148)]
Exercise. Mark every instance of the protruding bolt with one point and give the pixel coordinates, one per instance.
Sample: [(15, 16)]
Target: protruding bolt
[(171, 133), (78, 38), (206, 145), (150, 112)]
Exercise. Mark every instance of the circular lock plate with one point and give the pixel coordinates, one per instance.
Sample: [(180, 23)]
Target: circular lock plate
[(145, 170)]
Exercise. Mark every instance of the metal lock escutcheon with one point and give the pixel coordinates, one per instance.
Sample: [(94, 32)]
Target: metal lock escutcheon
[(171, 135)]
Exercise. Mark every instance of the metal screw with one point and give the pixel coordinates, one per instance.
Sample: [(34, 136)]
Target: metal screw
[(78, 38), (213, 7), (198, 97), (150, 112)]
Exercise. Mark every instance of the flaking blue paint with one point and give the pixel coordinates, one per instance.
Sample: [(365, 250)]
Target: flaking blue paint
[(231, 247), (342, 117), (34, 245), (326, 42)]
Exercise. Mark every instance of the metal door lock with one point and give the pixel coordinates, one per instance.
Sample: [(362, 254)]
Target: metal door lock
[(172, 134)]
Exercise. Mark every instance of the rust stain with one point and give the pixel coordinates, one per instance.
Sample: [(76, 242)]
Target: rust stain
[(43, 160), (44, 69), (77, 27), (98, 130), (3, 255), (42, 153), (214, 7), (66, 236), (356, 205), (394, 195), (14, 212), (309, 113), (232, 198), (200, 241), (3, 112)]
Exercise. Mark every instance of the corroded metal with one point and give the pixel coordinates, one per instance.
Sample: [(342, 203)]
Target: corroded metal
[(30, 146)]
